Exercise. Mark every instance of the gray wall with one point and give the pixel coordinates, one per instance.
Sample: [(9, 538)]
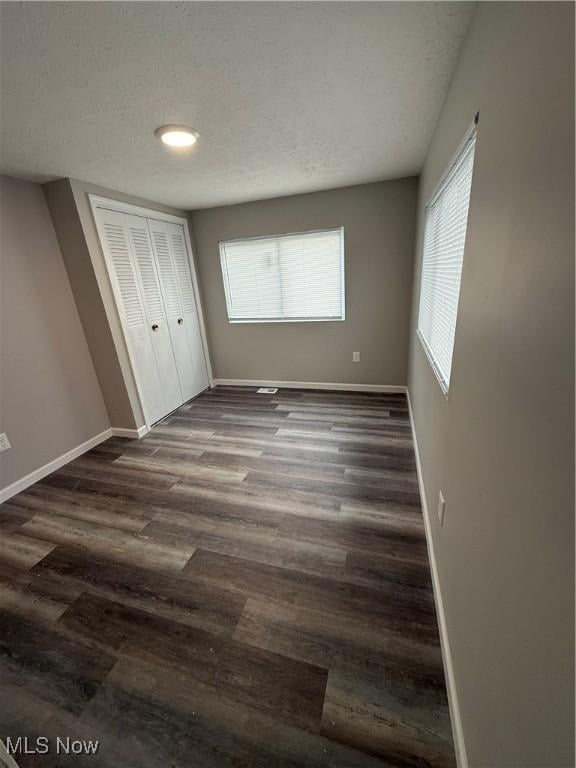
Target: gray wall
[(501, 446), (70, 210), (50, 401), (379, 222)]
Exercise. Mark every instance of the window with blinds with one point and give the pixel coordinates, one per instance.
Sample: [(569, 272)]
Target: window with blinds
[(444, 238), (284, 278)]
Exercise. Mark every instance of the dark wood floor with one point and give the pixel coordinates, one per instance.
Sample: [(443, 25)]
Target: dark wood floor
[(246, 586)]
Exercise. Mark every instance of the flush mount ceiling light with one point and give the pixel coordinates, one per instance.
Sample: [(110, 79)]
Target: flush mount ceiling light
[(179, 136)]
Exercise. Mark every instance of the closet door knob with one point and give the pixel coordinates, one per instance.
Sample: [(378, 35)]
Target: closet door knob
[(155, 327), (180, 321)]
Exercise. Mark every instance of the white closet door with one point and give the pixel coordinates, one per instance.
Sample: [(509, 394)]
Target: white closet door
[(172, 259), (120, 261), (190, 311), (139, 236)]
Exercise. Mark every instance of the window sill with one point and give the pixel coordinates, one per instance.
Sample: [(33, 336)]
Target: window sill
[(289, 320), (433, 365)]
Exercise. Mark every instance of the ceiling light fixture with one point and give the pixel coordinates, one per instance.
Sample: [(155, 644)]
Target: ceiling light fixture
[(179, 136)]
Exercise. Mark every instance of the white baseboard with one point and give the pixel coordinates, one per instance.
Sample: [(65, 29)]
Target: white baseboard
[(6, 759), (134, 434), (52, 466), (455, 716), (310, 385)]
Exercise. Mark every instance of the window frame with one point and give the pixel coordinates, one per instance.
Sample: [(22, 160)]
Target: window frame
[(226, 281), (471, 133)]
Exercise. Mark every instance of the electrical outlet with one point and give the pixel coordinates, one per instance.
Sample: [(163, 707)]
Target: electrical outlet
[(355, 357), (441, 507), (4, 442)]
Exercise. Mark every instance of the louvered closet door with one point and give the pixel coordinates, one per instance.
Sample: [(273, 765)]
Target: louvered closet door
[(173, 267), (120, 261), (139, 236), (189, 309)]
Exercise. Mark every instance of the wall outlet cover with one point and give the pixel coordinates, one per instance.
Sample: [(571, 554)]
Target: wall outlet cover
[(441, 507), (355, 357), (4, 442)]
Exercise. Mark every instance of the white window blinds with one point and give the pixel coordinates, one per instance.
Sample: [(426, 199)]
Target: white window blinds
[(285, 277), (444, 238)]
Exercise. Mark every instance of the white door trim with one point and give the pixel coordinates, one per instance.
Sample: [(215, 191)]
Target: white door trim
[(97, 201)]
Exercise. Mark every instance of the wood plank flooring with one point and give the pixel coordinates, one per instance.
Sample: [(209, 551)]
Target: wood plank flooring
[(246, 586)]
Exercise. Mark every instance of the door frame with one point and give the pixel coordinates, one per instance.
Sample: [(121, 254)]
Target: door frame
[(98, 201)]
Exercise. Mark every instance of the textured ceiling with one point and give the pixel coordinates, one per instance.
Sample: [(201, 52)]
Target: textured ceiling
[(287, 97)]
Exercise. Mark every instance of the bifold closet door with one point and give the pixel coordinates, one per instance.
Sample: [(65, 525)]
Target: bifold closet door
[(116, 245), (154, 307), (180, 304)]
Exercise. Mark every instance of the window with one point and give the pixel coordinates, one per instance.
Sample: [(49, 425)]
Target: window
[(444, 238), (284, 278)]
